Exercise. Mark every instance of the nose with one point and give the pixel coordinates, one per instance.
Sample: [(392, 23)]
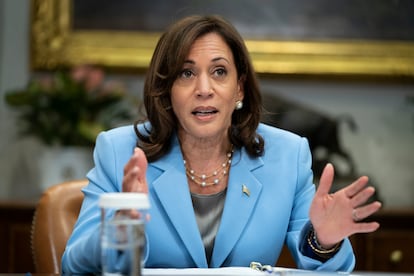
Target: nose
[(204, 86)]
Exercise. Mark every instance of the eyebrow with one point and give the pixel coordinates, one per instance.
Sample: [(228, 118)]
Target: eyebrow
[(213, 60), (220, 58)]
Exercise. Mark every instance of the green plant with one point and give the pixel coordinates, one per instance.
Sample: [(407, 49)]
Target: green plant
[(70, 107)]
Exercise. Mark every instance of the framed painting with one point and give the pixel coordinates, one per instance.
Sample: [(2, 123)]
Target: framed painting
[(284, 37)]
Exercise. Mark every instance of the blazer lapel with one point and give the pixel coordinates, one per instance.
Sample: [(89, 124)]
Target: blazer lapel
[(172, 190), (242, 194)]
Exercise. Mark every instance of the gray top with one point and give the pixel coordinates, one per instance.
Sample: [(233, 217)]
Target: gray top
[(208, 210)]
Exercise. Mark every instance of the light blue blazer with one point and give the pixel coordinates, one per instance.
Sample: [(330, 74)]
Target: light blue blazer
[(254, 226)]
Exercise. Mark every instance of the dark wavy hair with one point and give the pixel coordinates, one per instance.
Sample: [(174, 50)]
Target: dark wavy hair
[(166, 64)]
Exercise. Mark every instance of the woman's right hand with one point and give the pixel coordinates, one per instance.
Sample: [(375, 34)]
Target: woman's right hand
[(135, 173)]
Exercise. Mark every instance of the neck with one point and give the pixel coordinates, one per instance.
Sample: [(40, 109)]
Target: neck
[(214, 177), (204, 156), (207, 170)]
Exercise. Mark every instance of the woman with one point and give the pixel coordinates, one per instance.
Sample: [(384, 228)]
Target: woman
[(225, 190)]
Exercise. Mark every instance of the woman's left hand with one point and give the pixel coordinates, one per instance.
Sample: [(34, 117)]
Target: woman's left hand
[(339, 215)]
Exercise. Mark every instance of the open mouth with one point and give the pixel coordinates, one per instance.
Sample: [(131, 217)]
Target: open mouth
[(206, 112)]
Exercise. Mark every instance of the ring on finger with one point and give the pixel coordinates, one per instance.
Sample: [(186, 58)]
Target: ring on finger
[(355, 216)]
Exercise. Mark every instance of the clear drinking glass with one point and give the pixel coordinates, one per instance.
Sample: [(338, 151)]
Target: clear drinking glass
[(123, 232)]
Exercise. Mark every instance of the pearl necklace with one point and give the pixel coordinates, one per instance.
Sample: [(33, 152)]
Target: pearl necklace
[(205, 180)]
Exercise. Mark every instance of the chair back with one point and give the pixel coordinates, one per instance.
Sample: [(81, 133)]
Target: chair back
[(53, 221)]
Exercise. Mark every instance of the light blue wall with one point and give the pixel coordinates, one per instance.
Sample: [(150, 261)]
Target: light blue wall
[(383, 147)]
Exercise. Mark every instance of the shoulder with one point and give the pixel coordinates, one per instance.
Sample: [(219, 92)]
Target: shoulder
[(272, 134), (123, 136), (126, 130), (281, 142), (125, 133), (113, 148)]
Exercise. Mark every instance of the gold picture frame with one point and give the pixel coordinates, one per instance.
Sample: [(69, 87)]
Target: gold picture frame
[(56, 44)]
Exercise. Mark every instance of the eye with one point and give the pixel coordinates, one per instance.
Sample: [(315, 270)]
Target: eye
[(220, 72), (186, 74)]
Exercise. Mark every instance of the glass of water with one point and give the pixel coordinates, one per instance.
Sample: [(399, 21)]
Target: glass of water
[(123, 232)]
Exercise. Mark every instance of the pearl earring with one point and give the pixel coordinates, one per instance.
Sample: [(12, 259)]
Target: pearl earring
[(239, 105)]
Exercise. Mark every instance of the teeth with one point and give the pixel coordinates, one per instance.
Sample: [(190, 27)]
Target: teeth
[(204, 112)]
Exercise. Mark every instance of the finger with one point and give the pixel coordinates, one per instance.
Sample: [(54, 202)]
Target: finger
[(326, 180), (140, 178), (356, 186), (129, 213), (362, 196), (366, 227), (135, 173), (132, 162), (367, 210), (130, 181), (142, 164), (134, 214)]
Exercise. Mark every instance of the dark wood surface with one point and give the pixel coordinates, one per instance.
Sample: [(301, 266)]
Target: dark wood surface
[(391, 248), (15, 228)]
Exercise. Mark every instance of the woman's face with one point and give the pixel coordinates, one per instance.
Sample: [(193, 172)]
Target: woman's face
[(205, 93)]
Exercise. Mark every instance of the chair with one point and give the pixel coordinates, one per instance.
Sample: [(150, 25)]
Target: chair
[(53, 221)]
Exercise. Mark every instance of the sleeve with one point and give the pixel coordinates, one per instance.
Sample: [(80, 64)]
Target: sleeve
[(299, 225), (83, 252)]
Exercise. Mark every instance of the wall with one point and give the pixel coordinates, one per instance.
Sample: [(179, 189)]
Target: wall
[(14, 71), (382, 147)]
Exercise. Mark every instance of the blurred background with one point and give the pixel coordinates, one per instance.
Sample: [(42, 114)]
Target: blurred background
[(362, 121), (370, 119)]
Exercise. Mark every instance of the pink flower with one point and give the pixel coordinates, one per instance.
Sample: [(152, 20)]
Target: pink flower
[(91, 76), (47, 83)]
